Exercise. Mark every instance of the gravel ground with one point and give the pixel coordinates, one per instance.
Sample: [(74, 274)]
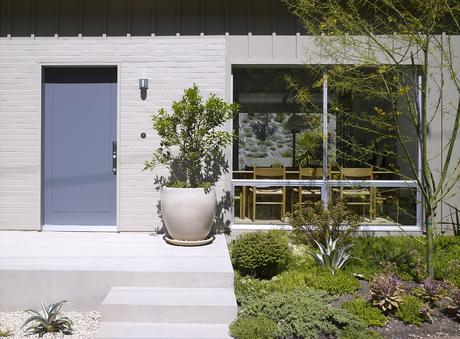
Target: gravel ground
[(85, 324)]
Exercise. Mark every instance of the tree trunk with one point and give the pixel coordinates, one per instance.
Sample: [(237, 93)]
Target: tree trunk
[(187, 178), (429, 245)]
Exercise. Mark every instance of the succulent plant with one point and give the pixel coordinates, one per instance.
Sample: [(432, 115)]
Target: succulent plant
[(49, 320), (330, 256), (453, 305), (431, 291), (386, 292), (426, 312)]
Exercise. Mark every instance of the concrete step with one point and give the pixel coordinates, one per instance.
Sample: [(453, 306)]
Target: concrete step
[(170, 305), (162, 330), (62, 265)]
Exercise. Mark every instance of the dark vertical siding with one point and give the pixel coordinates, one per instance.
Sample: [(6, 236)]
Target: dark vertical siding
[(166, 17), (214, 17), (141, 14), (68, 18), (190, 17), (261, 17), (144, 17), (238, 17), (286, 23), (116, 17), (3, 17), (45, 15), (21, 10), (92, 17)]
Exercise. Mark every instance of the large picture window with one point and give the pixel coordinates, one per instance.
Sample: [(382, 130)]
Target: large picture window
[(291, 151)]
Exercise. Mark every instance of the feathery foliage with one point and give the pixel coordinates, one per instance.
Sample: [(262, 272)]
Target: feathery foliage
[(390, 53), (191, 134)]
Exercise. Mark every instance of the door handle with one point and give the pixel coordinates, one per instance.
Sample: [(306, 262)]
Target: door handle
[(114, 157)]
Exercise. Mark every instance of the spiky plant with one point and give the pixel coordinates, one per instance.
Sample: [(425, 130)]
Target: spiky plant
[(426, 312), (330, 256), (48, 320), (453, 305), (431, 291), (386, 292)]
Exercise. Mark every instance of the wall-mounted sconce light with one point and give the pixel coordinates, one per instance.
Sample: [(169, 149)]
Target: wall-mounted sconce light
[(143, 84)]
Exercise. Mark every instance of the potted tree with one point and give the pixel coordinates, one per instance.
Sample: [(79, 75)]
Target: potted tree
[(192, 145)]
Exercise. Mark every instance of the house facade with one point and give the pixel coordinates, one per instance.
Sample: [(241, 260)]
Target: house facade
[(75, 126)]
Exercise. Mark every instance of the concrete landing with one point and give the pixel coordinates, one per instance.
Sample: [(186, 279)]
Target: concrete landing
[(83, 267)]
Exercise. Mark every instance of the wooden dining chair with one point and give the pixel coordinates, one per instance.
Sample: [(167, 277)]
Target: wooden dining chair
[(269, 195), (358, 196), (307, 173), (240, 198)]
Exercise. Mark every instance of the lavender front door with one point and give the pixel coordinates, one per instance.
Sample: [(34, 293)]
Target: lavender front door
[(79, 140)]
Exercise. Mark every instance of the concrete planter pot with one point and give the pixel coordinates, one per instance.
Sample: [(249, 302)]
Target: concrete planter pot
[(188, 214)]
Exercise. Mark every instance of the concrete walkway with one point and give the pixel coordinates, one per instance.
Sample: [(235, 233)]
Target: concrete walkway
[(135, 279)]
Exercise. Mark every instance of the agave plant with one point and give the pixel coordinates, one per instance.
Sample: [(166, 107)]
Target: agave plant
[(49, 320), (386, 292), (330, 256), (430, 291)]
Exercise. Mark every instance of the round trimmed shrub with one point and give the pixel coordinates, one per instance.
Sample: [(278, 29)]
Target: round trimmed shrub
[(260, 254), (253, 327)]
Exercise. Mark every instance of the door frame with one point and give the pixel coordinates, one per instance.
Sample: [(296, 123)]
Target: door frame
[(40, 145)]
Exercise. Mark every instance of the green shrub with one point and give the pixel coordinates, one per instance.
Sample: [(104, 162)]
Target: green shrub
[(409, 311), (253, 328), (320, 279), (407, 253), (260, 254), (363, 310), (338, 284), (5, 333), (302, 313), (247, 288), (447, 259), (317, 223), (360, 334), (446, 242), (288, 281), (409, 256)]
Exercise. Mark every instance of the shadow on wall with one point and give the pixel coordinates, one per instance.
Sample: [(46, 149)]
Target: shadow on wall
[(214, 168)]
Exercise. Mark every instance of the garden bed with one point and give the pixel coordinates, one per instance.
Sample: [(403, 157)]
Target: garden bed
[(297, 298), (85, 324)]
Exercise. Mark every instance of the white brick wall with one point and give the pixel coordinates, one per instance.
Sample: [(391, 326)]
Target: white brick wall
[(170, 63)]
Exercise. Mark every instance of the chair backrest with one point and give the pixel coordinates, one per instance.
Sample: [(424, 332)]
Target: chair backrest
[(310, 173), (269, 173), (356, 172)]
